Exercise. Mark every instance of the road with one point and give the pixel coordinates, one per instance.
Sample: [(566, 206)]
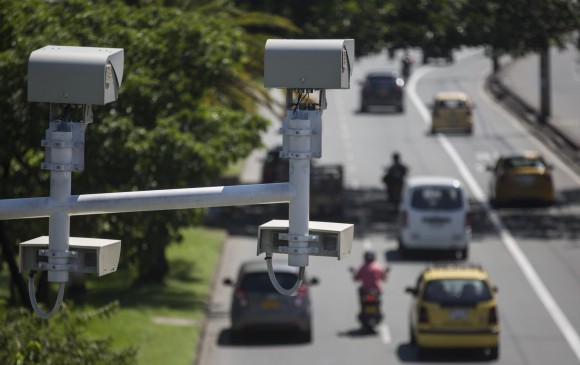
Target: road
[(532, 254)]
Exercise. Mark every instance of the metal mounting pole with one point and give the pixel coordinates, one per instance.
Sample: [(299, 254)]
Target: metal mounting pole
[(299, 207)]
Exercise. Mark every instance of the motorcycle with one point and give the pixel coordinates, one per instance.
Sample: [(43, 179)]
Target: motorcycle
[(370, 314)]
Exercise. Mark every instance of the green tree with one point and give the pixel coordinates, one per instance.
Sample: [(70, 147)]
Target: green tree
[(184, 113), (364, 21)]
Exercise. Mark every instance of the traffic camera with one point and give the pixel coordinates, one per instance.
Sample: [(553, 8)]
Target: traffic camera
[(324, 239), (75, 75), (308, 63), (86, 255)]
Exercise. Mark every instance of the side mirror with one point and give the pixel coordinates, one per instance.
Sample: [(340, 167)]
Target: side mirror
[(489, 168), (313, 281), (228, 282), (411, 291)]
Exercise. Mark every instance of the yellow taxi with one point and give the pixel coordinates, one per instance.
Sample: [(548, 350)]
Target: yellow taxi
[(454, 307), (452, 111), (523, 176)]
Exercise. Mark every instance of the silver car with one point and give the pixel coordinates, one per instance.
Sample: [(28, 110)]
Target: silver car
[(256, 305)]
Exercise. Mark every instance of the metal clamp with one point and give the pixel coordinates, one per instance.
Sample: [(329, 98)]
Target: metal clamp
[(297, 132), (61, 144), (298, 250), (57, 267), (61, 167), (297, 238), (51, 253), (296, 155)]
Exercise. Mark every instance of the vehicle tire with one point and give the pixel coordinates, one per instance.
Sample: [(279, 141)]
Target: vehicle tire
[(235, 336), (306, 336), (433, 130), (412, 338), (364, 108), (493, 353), (403, 252), (464, 253), (401, 109), (469, 131), (422, 352)]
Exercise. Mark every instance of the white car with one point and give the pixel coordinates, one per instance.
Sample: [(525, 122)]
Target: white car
[(434, 215)]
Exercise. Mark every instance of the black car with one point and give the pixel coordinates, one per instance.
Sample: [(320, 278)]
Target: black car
[(382, 89), (437, 52)]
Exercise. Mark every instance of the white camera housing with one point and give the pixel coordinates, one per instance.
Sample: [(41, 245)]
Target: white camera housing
[(92, 255), (75, 75), (308, 63), (334, 239)]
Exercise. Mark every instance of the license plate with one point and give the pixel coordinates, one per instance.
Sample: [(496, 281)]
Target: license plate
[(524, 180), (370, 309), (458, 314), (270, 304)]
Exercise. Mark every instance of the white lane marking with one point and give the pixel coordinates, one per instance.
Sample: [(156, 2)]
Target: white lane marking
[(385, 333), (347, 144), (510, 243)]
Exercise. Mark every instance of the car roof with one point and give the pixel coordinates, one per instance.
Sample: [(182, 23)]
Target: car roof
[(259, 265), (522, 154), (455, 271), (417, 181), (451, 95)]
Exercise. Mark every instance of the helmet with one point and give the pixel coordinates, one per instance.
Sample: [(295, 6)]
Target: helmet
[(369, 256)]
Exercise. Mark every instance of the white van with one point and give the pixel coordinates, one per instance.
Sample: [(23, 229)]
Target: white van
[(434, 215)]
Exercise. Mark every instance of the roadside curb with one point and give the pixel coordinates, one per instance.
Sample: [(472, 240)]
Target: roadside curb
[(209, 300)]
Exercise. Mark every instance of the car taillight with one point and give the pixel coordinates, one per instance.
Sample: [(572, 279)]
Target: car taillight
[(492, 319), (241, 296), (423, 315), (370, 298), (403, 218)]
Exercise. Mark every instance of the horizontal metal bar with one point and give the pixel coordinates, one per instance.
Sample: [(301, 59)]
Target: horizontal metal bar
[(141, 201)]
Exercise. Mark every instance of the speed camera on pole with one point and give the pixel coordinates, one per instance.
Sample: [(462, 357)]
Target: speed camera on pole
[(70, 79), (303, 66)]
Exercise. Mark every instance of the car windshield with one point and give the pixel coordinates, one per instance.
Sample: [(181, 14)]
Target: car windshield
[(456, 291), (437, 198), (260, 282), (519, 162), (451, 104), (381, 82)]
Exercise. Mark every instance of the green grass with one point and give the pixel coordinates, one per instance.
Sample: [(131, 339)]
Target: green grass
[(183, 297)]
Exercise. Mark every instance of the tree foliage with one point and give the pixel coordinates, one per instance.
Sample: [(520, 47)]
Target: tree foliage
[(185, 112), (27, 339), (518, 27)]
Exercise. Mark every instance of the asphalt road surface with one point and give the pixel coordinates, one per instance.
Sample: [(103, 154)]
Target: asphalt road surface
[(532, 254)]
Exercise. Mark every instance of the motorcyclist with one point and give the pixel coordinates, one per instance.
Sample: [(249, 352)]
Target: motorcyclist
[(406, 63), (394, 179), (371, 274)]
